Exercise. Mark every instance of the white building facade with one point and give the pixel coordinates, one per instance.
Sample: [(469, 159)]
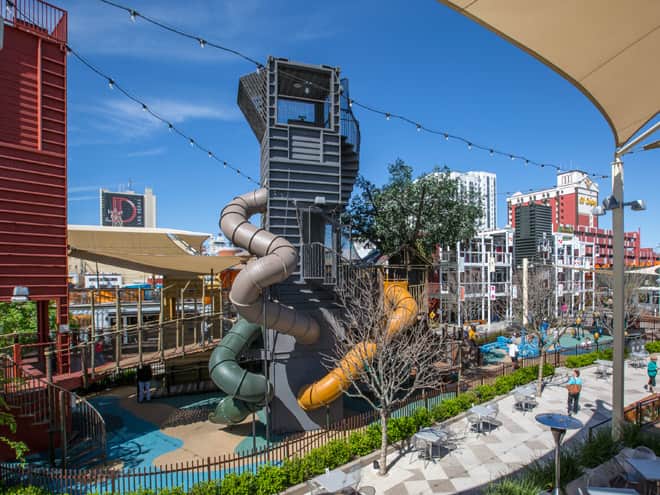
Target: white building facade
[(485, 185)]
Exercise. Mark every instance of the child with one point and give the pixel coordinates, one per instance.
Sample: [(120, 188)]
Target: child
[(651, 371), (574, 388)]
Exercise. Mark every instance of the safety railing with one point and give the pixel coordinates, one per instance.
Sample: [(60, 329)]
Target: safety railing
[(80, 427), (319, 263), (36, 16)]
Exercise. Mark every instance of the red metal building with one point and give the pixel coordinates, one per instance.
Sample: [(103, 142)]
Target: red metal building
[(33, 155)]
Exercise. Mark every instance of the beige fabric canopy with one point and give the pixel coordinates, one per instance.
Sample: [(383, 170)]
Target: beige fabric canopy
[(162, 251), (609, 49)]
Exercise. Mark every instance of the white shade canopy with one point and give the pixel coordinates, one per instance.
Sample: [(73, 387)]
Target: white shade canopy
[(609, 49)]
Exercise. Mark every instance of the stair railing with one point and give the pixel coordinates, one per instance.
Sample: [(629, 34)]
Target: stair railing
[(78, 422)]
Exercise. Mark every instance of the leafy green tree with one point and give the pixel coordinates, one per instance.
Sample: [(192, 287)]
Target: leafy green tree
[(406, 218)]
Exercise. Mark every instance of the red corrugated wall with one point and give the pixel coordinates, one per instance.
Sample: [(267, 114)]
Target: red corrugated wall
[(33, 159)]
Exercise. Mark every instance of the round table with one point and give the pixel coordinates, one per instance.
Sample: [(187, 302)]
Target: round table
[(558, 424)]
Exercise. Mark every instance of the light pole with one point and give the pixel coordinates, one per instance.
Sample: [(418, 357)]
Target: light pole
[(616, 204)]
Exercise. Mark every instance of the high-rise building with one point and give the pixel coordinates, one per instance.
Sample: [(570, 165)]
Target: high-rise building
[(33, 156), (485, 185), (571, 201), (533, 232)]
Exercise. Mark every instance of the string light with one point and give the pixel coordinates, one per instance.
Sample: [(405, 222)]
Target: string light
[(469, 146), (491, 152), (144, 108), (111, 84), (351, 101), (192, 142), (210, 154), (170, 127)]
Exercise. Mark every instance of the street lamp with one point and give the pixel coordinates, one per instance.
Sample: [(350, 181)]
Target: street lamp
[(20, 295)]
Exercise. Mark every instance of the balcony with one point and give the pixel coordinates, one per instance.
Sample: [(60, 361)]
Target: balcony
[(37, 17)]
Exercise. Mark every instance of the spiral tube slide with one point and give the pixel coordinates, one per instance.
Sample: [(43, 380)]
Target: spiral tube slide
[(277, 261), (403, 312), (247, 392)]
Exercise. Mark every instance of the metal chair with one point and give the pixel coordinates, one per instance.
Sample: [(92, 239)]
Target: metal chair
[(629, 475), (473, 420), (643, 453)]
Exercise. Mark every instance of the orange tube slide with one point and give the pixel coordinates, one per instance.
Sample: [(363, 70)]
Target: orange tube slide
[(403, 311)]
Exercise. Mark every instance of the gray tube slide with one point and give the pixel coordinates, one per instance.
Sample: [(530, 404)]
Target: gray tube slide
[(277, 261), (247, 392)]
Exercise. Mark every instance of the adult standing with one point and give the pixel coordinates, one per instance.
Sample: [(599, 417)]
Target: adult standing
[(574, 388), (144, 376), (651, 371), (513, 352)]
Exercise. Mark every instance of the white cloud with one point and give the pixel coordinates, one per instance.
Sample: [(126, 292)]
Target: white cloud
[(124, 120), (148, 152), (76, 189), (83, 198)]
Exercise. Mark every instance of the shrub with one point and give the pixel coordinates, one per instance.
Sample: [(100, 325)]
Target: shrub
[(599, 449), (653, 347), (400, 428), (177, 490), (270, 480), (294, 471), (238, 484), (205, 488), (509, 486), (359, 444), (336, 452), (542, 473), (587, 359), (25, 490), (422, 418)]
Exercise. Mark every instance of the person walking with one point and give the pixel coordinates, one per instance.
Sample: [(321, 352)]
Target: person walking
[(144, 382), (574, 388), (651, 371), (513, 352)]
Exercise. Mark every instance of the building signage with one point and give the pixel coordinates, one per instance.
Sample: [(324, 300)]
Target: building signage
[(586, 204), (492, 292), (122, 210)]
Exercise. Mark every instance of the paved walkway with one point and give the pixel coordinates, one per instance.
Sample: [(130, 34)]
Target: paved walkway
[(481, 459)]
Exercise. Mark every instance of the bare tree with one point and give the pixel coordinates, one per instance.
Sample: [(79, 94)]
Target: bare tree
[(632, 284), (384, 352), (540, 309)]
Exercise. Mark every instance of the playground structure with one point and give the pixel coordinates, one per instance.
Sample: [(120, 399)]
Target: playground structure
[(310, 152)]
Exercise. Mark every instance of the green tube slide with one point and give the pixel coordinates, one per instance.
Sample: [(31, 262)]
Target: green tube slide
[(246, 392)]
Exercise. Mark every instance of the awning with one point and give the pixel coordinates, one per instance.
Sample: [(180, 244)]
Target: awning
[(609, 49), (168, 252)]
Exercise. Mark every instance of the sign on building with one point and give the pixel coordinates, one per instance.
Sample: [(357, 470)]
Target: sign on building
[(122, 210)]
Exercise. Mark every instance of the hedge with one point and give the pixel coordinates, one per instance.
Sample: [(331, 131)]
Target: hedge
[(653, 347), (274, 479), (582, 360)]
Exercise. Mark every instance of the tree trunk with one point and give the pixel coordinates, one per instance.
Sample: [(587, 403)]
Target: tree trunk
[(382, 469), (539, 382)]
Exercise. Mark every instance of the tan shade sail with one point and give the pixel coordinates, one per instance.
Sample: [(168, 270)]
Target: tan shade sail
[(162, 251), (609, 49)]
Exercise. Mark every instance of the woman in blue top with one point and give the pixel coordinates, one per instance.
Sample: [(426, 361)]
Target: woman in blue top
[(652, 371), (574, 388)]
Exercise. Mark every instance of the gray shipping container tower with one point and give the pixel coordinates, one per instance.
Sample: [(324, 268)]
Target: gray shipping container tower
[(310, 141)]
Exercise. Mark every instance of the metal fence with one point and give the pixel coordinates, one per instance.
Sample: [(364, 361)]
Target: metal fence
[(36, 16), (79, 427)]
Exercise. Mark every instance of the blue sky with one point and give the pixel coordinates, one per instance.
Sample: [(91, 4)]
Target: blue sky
[(425, 62)]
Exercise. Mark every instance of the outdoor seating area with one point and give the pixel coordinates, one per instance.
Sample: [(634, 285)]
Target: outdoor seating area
[(604, 369), (525, 398), (638, 359)]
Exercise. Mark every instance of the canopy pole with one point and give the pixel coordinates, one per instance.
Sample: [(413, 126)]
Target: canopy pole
[(618, 269)]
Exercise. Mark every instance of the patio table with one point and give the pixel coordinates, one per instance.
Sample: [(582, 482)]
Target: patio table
[(484, 412), (430, 437), (603, 490), (649, 469), (336, 480)]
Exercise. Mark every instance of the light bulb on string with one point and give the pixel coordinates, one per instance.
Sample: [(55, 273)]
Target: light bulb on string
[(133, 15), (526, 162), (350, 103), (202, 43), (111, 83), (419, 128), (224, 164), (210, 154), (170, 127), (387, 116), (144, 107), (512, 157), (446, 137), (491, 152), (469, 146), (192, 142)]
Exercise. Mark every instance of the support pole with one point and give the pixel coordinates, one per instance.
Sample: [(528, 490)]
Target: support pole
[(525, 268), (139, 325), (618, 305), (94, 336), (117, 328), (161, 319)]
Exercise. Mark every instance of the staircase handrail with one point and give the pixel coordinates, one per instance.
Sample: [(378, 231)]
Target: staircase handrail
[(47, 406)]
